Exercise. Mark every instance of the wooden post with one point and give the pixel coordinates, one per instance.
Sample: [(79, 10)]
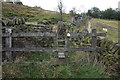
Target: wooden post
[(94, 43), (0, 44), (8, 44), (55, 43), (1, 40), (94, 38), (67, 46), (89, 27)]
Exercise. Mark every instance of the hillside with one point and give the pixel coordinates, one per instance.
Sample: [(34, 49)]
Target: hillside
[(31, 13), (110, 25)]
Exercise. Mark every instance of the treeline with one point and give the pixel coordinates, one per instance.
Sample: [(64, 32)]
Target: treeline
[(107, 14)]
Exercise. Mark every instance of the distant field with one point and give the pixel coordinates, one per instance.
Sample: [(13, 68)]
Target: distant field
[(111, 25)]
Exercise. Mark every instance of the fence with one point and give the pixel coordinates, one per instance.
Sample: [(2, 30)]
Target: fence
[(8, 35)]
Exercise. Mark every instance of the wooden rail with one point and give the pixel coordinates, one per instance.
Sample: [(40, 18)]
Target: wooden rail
[(86, 34), (29, 35), (51, 49), (9, 35)]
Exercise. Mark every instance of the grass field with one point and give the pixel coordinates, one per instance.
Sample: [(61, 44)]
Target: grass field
[(113, 23), (112, 26)]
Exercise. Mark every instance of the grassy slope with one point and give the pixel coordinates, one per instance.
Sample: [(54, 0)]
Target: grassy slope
[(33, 14), (112, 27), (113, 23)]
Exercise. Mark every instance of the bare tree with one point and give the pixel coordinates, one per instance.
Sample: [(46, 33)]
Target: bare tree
[(74, 10), (60, 8), (72, 13)]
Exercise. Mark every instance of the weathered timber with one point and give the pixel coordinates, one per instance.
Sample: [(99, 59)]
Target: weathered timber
[(0, 45), (86, 49), (29, 35), (67, 46), (52, 49), (94, 38), (8, 44), (94, 43), (86, 34)]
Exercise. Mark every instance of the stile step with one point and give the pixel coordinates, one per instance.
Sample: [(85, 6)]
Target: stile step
[(61, 40)]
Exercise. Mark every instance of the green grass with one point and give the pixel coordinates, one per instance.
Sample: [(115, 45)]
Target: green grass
[(45, 70), (112, 34), (113, 23), (33, 14)]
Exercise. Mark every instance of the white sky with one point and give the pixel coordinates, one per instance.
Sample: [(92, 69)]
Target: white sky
[(80, 5)]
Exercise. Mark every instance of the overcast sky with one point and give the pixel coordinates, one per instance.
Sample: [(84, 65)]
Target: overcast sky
[(80, 5)]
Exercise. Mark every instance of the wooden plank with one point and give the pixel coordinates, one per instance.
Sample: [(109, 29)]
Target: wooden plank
[(67, 46), (8, 44), (86, 34), (29, 35), (0, 45), (94, 44), (82, 49), (49, 34), (30, 49), (1, 40), (79, 34), (94, 38), (55, 44), (52, 49), (89, 26), (101, 34), (38, 25)]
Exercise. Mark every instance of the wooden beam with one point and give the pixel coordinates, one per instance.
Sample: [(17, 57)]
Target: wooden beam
[(30, 49), (29, 35), (67, 46), (94, 38), (0, 46), (94, 44), (101, 34), (86, 49), (52, 49), (8, 44), (86, 34), (50, 34)]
